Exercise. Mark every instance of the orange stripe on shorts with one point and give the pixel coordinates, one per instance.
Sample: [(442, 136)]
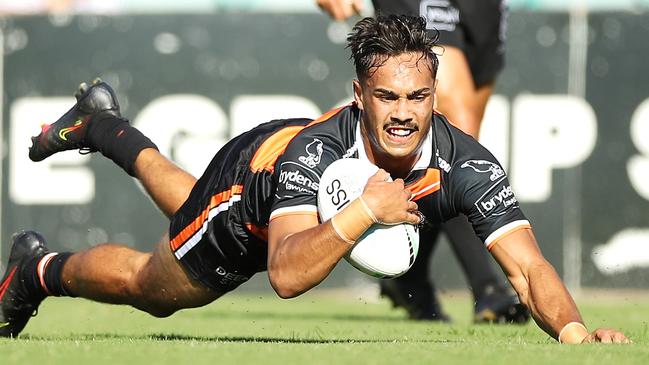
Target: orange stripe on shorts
[(196, 225)]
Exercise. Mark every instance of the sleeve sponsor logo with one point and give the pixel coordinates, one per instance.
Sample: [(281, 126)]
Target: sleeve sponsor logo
[(439, 14), (483, 166), (313, 153), (498, 196), (294, 178)]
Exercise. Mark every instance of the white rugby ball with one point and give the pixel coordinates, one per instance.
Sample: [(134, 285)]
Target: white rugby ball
[(383, 251)]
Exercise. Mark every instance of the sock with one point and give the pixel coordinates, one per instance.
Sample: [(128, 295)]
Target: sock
[(45, 279), (474, 258), (417, 284), (116, 139)]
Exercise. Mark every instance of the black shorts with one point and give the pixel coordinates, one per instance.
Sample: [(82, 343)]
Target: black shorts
[(207, 234), (477, 27)]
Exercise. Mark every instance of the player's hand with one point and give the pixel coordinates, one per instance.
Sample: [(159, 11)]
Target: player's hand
[(389, 201), (606, 335), (341, 9)]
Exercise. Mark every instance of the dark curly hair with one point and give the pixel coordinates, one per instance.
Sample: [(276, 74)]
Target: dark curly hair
[(373, 40)]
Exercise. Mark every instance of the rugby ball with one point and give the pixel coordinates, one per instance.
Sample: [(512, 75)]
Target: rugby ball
[(383, 251)]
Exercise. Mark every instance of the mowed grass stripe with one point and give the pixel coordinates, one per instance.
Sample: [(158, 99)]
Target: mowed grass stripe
[(317, 328)]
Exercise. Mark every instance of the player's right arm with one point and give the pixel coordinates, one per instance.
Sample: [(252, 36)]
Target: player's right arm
[(302, 252)]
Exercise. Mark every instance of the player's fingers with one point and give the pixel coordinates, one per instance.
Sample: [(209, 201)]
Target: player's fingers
[(589, 339), (333, 8), (336, 14), (380, 176), (619, 337), (413, 218), (605, 338), (358, 6), (96, 81), (346, 8), (412, 206)]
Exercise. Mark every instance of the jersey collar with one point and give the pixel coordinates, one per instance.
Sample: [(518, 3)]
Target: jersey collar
[(424, 160)]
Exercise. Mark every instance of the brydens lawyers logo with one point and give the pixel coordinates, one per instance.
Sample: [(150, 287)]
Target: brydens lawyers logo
[(314, 153), (483, 166), (294, 178), (504, 196), (439, 14)]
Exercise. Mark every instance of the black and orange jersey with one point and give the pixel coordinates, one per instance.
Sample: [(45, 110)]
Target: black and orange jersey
[(454, 174), (220, 232)]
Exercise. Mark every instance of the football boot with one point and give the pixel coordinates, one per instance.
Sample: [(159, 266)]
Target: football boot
[(418, 299), (17, 302), (499, 305), (69, 132)]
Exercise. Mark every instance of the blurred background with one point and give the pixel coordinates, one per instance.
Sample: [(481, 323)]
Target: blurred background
[(569, 121)]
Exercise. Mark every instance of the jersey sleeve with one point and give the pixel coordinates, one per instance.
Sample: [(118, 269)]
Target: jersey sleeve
[(297, 173), (480, 189)]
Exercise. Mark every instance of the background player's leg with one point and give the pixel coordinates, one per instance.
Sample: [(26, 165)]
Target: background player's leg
[(153, 282), (459, 100), (464, 105), (472, 255), (167, 184), (456, 93), (415, 290)]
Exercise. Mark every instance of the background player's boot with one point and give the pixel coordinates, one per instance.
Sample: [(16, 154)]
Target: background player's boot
[(417, 298), (69, 132), (17, 303), (499, 305)]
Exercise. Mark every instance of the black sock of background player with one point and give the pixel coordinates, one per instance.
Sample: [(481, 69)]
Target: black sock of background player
[(473, 257), (116, 139), (42, 275), (416, 285)]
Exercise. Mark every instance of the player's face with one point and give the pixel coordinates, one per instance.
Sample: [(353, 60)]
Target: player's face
[(397, 104)]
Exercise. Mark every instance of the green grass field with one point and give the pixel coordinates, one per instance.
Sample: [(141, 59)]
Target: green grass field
[(319, 328)]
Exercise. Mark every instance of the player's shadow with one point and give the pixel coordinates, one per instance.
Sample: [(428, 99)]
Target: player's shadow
[(255, 314), (176, 337), (225, 339)]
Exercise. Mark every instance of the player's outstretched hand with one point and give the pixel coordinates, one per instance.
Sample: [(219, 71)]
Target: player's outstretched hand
[(606, 335), (341, 9), (389, 201)]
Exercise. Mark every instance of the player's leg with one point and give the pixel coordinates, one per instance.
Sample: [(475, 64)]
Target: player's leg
[(494, 301), (153, 282), (456, 93), (414, 290), (464, 105), (94, 123), (111, 273), (167, 184)]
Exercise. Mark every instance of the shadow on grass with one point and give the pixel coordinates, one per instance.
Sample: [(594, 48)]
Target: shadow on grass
[(226, 339), (256, 314)]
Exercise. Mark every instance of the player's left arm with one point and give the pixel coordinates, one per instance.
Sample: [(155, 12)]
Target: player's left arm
[(539, 287), (479, 188)]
